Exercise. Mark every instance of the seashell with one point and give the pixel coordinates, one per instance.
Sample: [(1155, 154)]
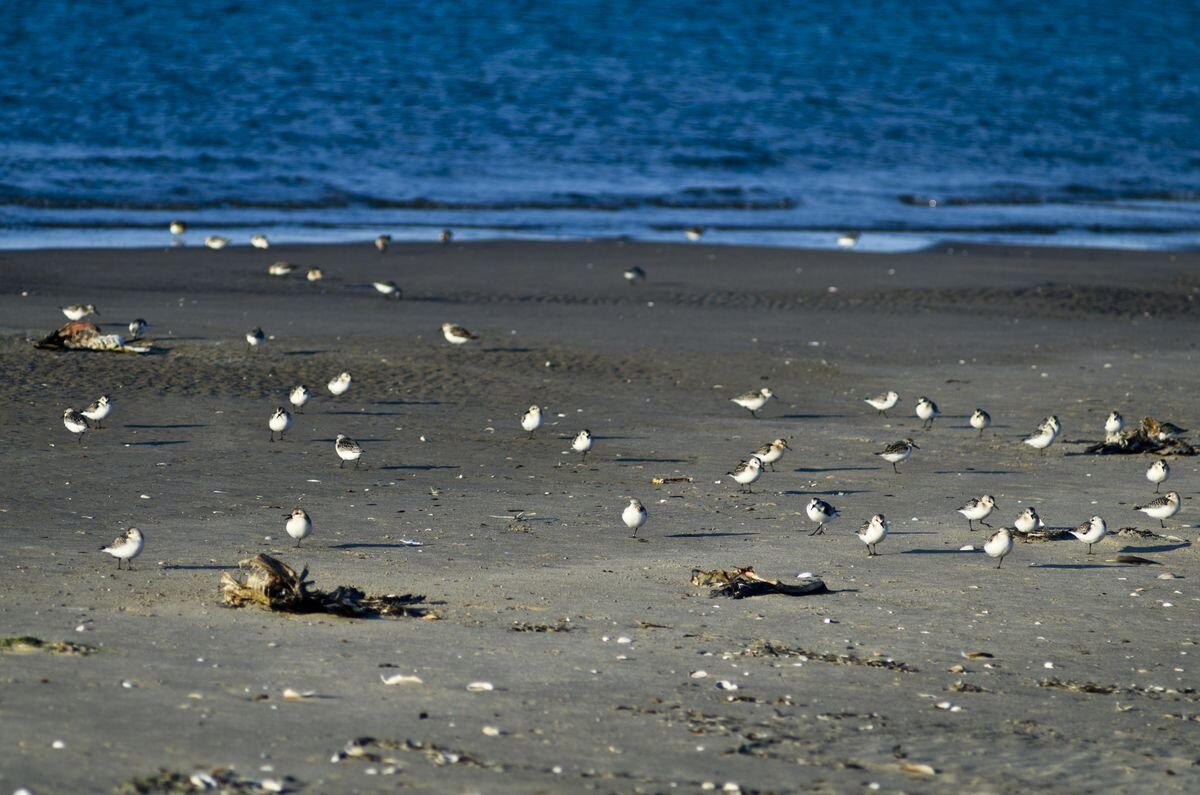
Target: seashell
[(480, 687), (698, 674), (943, 705), (956, 669), (491, 731), (725, 684), (203, 781), (914, 767), (402, 679), (967, 548), (271, 785), (290, 694), (1166, 575), (978, 655)]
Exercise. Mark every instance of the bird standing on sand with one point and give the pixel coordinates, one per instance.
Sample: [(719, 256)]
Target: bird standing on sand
[(582, 443), (260, 241), (280, 421), (977, 509), (177, 228), (216, 242), (531, 420), (347, 450), (78, 311), (753, 401), (820, 512), (634, 516), (75, 423), (282, 268), (882, 403), (745, 473), (382, 242), (998, 545), (981, 420), (899, 451), (1045, 434), (340, 384), (446, 236), (926, 411), (137, 327), (1162, 508), (694, 233), (1091, 531), (635, 275), (299, 525), (298, 397), (1028, 521), (1158, 473), (1114, 423), (771, 452), (848, 239), (872, 532), (126, 546), (255, 338), (457, 335), (389, 289), (314, 274), (97, 411)]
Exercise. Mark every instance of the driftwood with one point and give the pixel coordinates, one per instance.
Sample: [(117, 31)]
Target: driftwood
[(273, 584), (1150, 436), (744, 582), (81, 335)]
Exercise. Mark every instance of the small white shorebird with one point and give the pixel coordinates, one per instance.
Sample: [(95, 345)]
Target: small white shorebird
[(282, 268), (299, 525), (382, 242), (457, 335), (314, 274), (899, 451), (1091, 531), (136, 327), (260, 241), (582, 442), (998, 545), (177, 228), (531, 420), (298, 397), (882, 403), (389, 289), (126, 546), (753, 401), (1115, 422), (634, 516), (848, 239), (981, 421), (216, 242), (280, 421), (75, 423), (98, 410), (1045, 434), (255, 338), (820, 512), (347, 450), (771, 452), (745, 473), (977, 509), (446, 236), (78, 311), (694, 233), (1166, 430), (1028, 521), (1164, 507), (1158, 473), (340, 384), (926, 411), (635, 275), (872, 532)]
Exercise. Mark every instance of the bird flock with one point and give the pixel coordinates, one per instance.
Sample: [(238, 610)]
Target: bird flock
[(820, 513)]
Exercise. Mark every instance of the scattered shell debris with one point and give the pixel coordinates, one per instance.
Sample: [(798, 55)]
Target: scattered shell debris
[(772, 648), (745, 582), (402, 679), (222, 780), (480, 687), (27, 644)]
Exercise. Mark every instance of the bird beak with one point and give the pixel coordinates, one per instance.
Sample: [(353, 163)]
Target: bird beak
[(914, 444)]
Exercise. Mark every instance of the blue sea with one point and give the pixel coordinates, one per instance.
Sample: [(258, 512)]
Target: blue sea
[(1068, 122)]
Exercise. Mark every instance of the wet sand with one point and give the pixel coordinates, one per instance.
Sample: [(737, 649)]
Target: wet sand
[(595, 642)]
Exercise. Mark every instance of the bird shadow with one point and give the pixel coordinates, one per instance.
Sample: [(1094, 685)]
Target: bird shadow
[(372, 546), (164, 427), (331, 440), (828, 492), (1158, 548), (973, 471), (940, 552), (305, 353), (422, 467), (197, 567), (836, 469), (1071, 566), (367, 413), (810, 416), (717, 534), (160, 443), (506, 350), (406, 402), (653, 460), (612, 438)]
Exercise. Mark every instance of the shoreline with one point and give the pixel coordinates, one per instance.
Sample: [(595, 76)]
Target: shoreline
[(594, 642)]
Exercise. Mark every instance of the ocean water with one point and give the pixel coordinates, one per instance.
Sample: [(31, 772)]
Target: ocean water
[(1074, 122)]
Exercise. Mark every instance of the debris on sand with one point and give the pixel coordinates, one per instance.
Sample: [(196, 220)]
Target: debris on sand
[(773, 648), (1039, 535), (219, 781), (744, 582), (27, 644), (83, 336), (273, 584), (371, 749), (1150, 436)]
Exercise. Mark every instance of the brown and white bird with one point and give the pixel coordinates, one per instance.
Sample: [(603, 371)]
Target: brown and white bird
[(457, 335), (1158, 473), (977, 509), (753, 401), (279, 423), (634, 516), (1162, 508), (531, 420), (255, 338), (899, 451), (97, 411), (1091, 532), (298, 525), (582, 443), (75, 423), (216, 242), (382, 242), (126, 546), (771, 452), (347, 450), (998, 545), (389, 289), (872, 532), (79, 311)]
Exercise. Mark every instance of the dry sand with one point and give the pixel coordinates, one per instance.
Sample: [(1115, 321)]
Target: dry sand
[(608, 696)]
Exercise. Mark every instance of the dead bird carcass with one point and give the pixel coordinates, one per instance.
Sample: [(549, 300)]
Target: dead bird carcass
[(1150, 436), (276, 586), (744, 582), (83, 336)]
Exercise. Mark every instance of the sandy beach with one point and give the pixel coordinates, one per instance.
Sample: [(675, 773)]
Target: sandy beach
[(926, 669)]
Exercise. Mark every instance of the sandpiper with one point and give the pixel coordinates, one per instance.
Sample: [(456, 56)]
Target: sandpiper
[(745, 473), (634, 516), (126, 546), (899, 451), (78, 311), (382, 242), (137, 328), (635, 275), (998, 545), (457, 335), (1091, 531), (260, 241), (299, 396), (981, 420), (753, 401), (216, 242), (298, 525), (848, 239), (820, 512), (1158, 473), (97, 411), (347, 450), (926, 410), (882, 403), (255, 338), (1162, 508), (582, 443), (75, 423), (280, 421), (977, 509), (872, 532), (389, 289), (531, 420), (771, 452)]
